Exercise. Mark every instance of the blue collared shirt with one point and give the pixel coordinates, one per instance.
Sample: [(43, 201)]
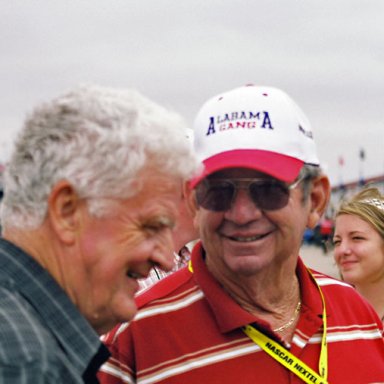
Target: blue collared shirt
[(43, 336)]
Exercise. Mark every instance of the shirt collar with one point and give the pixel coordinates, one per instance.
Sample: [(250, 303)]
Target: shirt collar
[(230, 315)]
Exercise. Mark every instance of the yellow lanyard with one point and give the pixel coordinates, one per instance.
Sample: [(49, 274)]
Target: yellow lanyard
[(286, 358)]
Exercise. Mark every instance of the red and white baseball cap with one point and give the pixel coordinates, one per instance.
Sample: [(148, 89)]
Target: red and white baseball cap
[(253, 127)]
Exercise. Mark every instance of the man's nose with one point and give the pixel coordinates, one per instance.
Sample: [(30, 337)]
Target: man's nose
[(243, 209), (163, 254)]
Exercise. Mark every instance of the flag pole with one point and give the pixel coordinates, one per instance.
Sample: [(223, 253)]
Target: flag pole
[(341, 184), (362, 158)]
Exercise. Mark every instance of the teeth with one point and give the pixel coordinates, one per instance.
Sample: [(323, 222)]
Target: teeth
[(247, 239)]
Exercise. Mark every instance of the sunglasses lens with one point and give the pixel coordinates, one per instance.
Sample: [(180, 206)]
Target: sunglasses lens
[(215, 196), (269, 194)]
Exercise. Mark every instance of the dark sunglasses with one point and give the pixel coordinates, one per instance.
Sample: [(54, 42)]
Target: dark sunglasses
[(268, 194)]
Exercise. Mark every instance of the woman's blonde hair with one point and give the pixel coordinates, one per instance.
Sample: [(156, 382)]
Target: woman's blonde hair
[(369, 206)]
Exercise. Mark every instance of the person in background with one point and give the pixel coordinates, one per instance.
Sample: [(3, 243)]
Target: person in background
[(91, 197), (247, 310), (359, 245), (326, 232)]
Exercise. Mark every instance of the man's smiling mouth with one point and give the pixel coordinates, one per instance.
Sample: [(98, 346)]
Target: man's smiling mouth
[(134, 275), (247, 239)]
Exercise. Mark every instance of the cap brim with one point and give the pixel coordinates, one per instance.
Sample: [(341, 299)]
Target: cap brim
[(280, 166)]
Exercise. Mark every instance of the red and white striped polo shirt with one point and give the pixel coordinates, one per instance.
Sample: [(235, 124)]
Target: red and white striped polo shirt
[(188, 330)]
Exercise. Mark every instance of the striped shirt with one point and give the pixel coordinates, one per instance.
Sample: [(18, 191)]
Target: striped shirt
[(43, 337), (189, 330)]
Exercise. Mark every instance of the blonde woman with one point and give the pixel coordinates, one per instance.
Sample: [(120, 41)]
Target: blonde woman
[(359, 245)]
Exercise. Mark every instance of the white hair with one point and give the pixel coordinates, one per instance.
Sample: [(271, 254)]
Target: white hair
[(98, 139)]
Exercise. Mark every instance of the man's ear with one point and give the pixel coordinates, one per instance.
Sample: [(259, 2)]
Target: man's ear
[(189, 195), (63, 211), (319, 197)]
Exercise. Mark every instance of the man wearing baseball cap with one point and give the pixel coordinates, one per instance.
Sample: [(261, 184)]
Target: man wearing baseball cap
[(247, 310)]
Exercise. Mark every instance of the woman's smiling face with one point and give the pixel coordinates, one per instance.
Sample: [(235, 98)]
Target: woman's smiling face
[(359, 250)]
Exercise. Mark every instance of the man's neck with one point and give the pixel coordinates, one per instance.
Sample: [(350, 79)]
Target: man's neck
[(267, 294)]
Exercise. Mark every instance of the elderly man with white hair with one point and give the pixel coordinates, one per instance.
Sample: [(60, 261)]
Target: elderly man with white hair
[(91, 198)]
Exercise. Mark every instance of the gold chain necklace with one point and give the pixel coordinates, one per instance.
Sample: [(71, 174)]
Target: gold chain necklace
[(291, 320)]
